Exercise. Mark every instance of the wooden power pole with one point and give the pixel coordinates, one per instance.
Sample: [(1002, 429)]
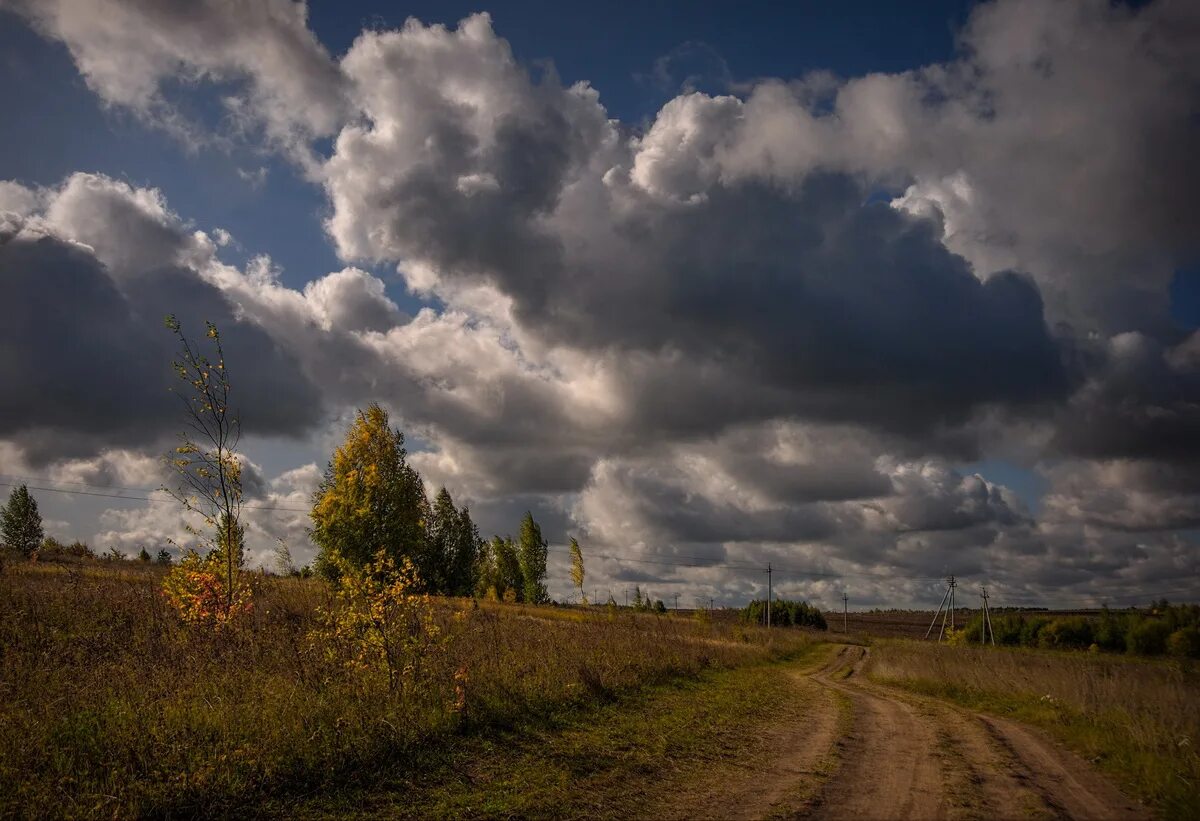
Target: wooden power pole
[(987, 618), (948, 604), (845, 612), (768, 595)]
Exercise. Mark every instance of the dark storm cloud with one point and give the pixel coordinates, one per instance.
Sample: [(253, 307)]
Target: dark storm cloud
[(846, 311), (88, 364), (1142, 400)]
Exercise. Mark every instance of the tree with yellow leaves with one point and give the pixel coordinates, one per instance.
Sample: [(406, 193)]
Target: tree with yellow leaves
[(371, 499)]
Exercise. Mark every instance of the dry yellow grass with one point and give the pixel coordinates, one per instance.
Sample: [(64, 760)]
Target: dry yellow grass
[(110, 706)]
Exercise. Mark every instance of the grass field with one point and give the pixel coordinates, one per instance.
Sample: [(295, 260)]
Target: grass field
[(1138, 719), (109, 706)]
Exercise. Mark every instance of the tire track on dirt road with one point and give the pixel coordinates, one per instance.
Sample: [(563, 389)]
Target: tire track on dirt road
[(773, 787), (912, 757)]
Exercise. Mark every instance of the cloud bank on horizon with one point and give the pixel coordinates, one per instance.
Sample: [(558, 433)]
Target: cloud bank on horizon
[(766, 326)]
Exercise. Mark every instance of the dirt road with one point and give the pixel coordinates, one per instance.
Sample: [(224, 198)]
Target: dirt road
[(872, 752)]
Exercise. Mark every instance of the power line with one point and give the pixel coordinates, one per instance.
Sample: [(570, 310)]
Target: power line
[(49, 480), (73, 492)]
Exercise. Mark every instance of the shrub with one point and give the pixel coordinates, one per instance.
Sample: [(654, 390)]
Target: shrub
[(1109, 633), (1148, 637), (1071, 632), (196, 587), (1031, 629), (378, 623), (1008, 629), (1185, 642)]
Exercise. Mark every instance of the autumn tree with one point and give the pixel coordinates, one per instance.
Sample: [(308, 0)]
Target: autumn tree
[(20, 522), (577, 568), (371, 499), (208, 474), (532, 552)]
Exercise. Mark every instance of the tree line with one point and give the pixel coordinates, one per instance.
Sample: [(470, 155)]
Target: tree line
[(1164, 629), (371, 499), (784, 613)]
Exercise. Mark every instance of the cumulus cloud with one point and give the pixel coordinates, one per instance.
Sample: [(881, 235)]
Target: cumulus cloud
[(765, 327), (130, 51), (85, 286)]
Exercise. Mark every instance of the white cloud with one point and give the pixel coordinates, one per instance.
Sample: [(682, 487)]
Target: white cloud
[(128, 51)]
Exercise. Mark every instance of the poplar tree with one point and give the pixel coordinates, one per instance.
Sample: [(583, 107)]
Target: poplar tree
[(20, 522), (532, 552), (371, 499), (577, 568), (464, 556), (508, 575), (441, 541)]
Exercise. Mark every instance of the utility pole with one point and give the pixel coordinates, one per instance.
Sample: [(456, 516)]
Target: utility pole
[(626, 596), (677, 601), (710, 606), (987, 618), (953, 584), (845, 611), (768, 595), (947, 602)]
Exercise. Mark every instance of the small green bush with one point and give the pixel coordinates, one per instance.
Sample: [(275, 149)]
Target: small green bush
[(1148, 637), (1072, 632), (1185, 642)]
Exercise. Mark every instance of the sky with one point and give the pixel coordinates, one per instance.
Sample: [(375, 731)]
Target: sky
[(869, 292)]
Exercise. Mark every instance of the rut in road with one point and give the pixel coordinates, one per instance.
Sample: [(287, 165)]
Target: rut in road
[(904, 756), (913, 757)]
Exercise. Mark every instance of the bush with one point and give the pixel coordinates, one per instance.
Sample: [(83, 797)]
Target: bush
[(1031, 630), (1148, 637), (197, 588), (1185, 642), (1109, 633), (1008, 629), (378, 622), (1071, 632)]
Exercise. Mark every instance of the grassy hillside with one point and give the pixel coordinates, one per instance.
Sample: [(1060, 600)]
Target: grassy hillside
[(111, 706)]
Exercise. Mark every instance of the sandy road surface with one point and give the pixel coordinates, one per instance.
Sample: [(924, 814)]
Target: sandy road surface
[(901, 756)]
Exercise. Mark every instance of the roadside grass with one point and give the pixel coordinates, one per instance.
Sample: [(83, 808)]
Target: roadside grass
[(1137, 719), (110, 706), (642, 755)]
